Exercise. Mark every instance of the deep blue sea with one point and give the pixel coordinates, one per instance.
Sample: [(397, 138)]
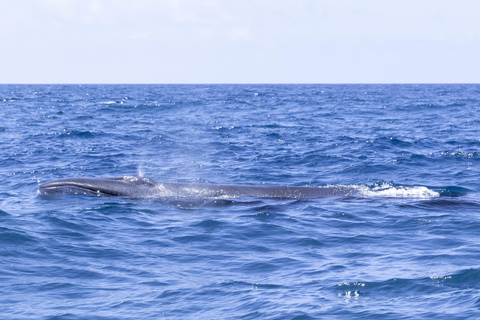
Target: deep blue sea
[(406, 247)]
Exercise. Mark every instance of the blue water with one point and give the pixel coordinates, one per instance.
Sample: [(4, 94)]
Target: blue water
[(410, 251)]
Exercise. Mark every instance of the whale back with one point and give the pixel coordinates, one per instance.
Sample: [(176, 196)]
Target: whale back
[(140, 187)]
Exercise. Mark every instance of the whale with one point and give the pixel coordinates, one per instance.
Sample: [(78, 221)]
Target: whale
[(136, 187)]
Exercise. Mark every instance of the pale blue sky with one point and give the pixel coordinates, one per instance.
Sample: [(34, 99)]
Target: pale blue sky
[(226, 41)]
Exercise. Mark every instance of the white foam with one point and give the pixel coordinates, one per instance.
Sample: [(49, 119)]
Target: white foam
[(390, 191)]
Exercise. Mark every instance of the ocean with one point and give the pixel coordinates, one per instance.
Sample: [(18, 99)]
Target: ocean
[(406, 246)]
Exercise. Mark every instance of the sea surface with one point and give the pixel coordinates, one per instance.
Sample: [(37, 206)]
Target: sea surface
[(406, 247)]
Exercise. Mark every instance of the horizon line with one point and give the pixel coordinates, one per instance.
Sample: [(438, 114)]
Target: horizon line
[(240, 83)]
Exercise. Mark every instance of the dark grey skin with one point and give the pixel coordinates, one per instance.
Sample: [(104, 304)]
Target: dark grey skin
[(143, 188)]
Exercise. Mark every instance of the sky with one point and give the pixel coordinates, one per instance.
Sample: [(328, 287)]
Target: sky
[(243, 41)]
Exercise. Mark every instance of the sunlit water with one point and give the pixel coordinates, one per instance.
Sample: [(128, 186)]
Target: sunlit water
[(404, 245)]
